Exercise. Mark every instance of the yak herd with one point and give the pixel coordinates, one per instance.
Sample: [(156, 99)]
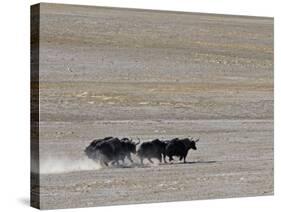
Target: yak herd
[(112, 150)]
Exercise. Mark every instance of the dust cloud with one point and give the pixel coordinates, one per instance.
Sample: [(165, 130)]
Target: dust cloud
[(64, 165)]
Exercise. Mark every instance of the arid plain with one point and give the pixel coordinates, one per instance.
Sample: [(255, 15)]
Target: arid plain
[(150, 74)]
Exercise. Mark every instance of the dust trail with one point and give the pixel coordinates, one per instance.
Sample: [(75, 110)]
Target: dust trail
[(62, 165)]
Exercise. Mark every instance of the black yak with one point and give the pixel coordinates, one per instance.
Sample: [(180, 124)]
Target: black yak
[(89, 151), (180, 148), (111, 149), (127, 148), (107, 151), (152, 149)]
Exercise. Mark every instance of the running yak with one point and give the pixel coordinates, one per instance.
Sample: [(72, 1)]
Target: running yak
[(152, 149), (180, 148), (111, 150)]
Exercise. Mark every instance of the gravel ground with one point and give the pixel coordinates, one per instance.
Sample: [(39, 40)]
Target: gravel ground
[(152, 74)]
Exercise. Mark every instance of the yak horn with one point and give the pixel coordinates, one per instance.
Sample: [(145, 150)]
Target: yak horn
[(197, 140)]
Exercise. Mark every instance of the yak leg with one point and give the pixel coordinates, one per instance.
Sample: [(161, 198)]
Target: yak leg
[(150, 160), (122, 158), (115, 162), (171, 158), (130, 159), (141, 160), (160, 158), (103, 160), (112, 163), (164, 157), (184, 158)]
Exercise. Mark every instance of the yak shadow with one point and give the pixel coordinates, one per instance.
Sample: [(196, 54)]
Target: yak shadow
[(134, 165), (191, 162), (138, 165), (203, 162)]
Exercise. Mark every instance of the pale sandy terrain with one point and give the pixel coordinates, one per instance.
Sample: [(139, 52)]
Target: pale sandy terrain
[(152, 74)]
